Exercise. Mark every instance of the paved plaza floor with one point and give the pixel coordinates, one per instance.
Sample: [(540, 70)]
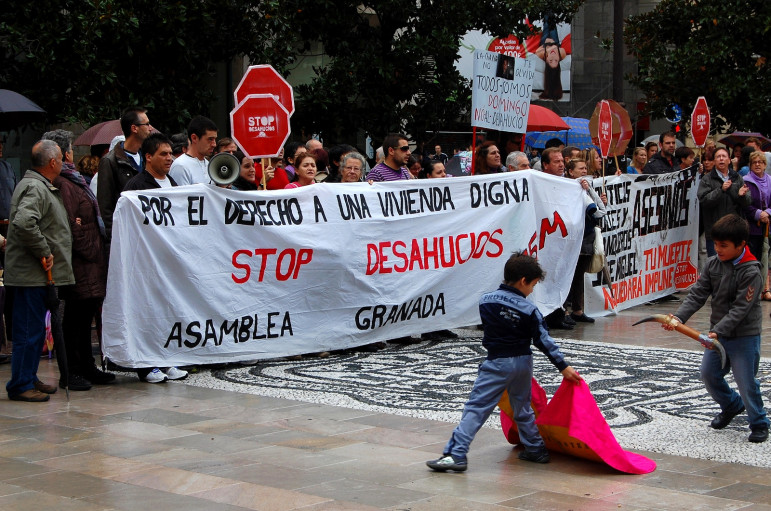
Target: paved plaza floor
[(181, 446)]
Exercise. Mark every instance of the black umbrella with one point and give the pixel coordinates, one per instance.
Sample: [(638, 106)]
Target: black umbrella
[(16, 110), (52, 302)]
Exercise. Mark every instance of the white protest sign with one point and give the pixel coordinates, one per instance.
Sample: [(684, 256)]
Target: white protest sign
[(650, 235), (200, 274), (500, 91)]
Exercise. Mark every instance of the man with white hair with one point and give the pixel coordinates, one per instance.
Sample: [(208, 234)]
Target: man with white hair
[(313, 144), (39, 240), (517, 160)]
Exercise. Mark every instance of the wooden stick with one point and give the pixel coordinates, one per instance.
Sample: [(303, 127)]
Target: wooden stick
[(263, 181), (473, 147)]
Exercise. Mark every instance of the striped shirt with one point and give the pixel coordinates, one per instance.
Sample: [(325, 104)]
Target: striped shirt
[(382, 172)]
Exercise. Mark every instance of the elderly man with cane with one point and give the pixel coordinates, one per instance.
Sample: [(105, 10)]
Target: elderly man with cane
[(38, 230)]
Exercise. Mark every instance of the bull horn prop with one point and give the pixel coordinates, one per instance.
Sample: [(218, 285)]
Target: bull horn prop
[(706, 341)]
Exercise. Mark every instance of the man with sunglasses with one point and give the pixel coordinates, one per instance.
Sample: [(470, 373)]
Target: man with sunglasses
[(121, 164), (394, 168)]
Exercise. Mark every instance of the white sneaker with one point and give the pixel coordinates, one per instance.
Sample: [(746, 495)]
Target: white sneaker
[(155, 376), (176, 374)]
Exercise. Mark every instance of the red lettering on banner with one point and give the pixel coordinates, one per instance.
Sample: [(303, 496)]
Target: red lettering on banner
[(659, 280), (433, 253), (245, 267), (548, 227), (551, 227), (400, 255), (668, 266), (667, 255), (623, 290), (291, 258)]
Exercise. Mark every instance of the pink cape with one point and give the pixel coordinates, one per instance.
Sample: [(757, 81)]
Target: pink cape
[(572, 423)]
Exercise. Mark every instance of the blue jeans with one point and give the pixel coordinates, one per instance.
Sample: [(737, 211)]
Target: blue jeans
[(29, 330), (743, 359), (513, 374)]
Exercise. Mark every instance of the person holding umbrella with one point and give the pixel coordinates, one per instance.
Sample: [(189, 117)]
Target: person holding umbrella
[(89, 265), (38, 231)]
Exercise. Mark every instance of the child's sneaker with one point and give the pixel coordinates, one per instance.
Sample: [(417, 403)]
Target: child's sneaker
[(176, 374), (155, 376), (539, 456), (448, 462)]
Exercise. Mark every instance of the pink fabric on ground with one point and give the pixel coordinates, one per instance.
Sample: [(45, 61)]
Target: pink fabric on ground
[(572, 423)]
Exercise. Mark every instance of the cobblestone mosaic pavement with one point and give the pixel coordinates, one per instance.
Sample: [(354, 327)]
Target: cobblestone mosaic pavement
[(651, 397)]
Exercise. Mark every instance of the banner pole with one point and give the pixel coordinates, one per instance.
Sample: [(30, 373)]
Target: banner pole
[(473, 147), (264, 181)]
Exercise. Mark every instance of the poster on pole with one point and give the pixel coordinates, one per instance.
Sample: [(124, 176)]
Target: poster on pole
[(549, 49), (500, 92)]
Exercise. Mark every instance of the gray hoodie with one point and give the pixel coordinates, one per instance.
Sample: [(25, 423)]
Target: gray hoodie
[(735, 291)]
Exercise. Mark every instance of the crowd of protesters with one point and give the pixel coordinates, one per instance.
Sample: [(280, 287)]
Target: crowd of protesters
[(63, 211)]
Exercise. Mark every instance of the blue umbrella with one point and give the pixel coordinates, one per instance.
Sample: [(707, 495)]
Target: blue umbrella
[(578, 135)]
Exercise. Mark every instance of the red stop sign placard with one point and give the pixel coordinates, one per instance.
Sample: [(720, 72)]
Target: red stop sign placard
[(605, 128), (260, 125), (700, 121), (263, 79)]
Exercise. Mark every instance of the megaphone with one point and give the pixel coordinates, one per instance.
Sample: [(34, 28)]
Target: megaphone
[(224, 168)]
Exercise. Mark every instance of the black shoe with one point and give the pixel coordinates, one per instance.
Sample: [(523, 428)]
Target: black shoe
[(539, 456), (76, 382), (723, 419), (438, 335), (97, 377), (5, 359), (403, 340), (112, 366), (371, 348), (758, 435), (560, 325), (583, 318), (570, 320), (448, 462)]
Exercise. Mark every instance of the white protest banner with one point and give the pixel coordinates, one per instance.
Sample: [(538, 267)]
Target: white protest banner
[(500, 91), (650, 235), (199, 274)]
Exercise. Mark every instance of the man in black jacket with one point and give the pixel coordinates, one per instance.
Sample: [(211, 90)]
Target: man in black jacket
[(121, 164), (664, 161), (156, 150)]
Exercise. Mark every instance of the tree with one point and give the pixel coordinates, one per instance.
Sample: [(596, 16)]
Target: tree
[(718, 49), (389, 64), (86, 60)]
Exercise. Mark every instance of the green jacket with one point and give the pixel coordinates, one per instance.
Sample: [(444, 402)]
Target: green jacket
[(38, 227)]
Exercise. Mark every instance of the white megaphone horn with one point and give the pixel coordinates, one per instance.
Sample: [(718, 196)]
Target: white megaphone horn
[(224, 168)]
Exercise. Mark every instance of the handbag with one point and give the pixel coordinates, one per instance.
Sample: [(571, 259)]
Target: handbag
[(598, 254)]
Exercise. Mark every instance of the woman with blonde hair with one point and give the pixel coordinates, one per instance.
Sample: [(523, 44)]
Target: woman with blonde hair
[(639, 159), (593, 162)]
